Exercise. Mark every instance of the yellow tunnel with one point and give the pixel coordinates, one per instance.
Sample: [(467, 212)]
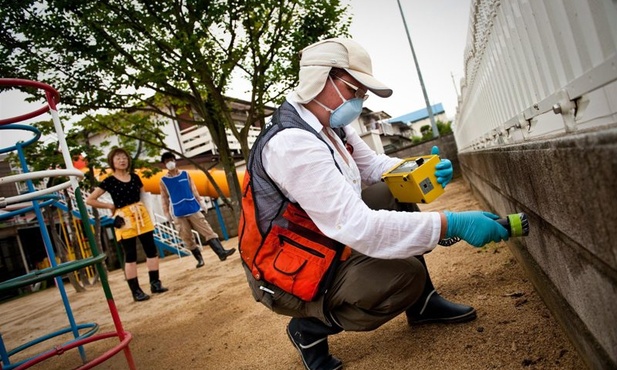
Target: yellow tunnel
[(203, 185)]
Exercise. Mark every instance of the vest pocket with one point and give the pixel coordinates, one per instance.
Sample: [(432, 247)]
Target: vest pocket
[(298, 264), (283, 239)]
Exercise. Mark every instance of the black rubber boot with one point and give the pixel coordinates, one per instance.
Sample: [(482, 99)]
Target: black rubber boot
[(200, 260), (310, 337), (155, 284), (433, 308), (217, 247), (138, 294)]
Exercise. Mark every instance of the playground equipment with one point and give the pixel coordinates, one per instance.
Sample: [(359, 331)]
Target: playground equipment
[(35, 200)]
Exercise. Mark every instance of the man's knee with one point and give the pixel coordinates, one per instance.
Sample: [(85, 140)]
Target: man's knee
[(406, 285), (373, 291), (378, 196)]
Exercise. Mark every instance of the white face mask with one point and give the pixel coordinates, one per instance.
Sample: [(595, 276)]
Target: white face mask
[(345, 113), (171, 165)]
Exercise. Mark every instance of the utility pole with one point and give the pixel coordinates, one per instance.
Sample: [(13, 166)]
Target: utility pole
[(455, 88), (413, 53)]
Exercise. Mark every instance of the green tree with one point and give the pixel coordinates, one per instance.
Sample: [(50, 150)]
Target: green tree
[(139, 133), (275, 35), (116, 54), (426, 132), (444, 128)]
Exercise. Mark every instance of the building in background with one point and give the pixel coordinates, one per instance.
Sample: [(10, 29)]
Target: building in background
[(416, 119), (192, 140), (398, 133)]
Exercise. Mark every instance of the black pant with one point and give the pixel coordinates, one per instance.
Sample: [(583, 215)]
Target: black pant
[(147, 242)]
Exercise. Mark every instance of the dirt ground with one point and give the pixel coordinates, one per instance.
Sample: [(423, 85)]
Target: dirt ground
[(208, 319)]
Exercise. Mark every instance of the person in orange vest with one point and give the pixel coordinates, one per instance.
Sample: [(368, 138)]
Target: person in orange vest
[(132, 220), (315, 244), (182, 205)]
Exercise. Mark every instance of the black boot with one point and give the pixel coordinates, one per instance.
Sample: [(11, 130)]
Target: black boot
[(310, 337), (155, 284), (138, 294), (431, 307), (217, 247), (197, 253)]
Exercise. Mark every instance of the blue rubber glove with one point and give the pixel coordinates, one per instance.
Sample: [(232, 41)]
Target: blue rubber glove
[(443, 170), (475, 227)]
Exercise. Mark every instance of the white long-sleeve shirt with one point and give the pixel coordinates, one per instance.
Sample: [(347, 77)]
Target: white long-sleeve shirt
[(302, 167)]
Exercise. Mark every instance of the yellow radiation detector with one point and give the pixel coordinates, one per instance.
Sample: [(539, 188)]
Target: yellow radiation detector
[(413, 180)]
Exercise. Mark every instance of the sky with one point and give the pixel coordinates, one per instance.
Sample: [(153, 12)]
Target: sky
[(438, 30)]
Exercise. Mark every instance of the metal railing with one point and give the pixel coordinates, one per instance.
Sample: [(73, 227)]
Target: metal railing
[(166, 232), (528, 58)]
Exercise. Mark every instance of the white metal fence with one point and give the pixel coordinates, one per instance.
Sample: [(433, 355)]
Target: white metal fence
[(535, 68)]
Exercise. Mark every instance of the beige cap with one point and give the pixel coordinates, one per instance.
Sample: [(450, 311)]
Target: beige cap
[(317, 59)]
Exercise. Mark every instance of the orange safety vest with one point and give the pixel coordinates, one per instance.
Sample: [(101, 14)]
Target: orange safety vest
[(284, 248)]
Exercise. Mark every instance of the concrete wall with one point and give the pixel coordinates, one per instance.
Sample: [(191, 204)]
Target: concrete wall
[(567, 186), (536, 130), (230, 226)]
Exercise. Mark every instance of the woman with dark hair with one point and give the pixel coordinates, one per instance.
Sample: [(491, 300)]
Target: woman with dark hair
[(132, 220)]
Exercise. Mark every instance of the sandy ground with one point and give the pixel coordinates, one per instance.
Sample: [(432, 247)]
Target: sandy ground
[(208, 319)]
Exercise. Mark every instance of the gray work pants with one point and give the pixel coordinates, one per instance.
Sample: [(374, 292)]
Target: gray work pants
[(365, 293), (197, 222)]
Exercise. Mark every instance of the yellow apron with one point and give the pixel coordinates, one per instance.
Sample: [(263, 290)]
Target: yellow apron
[(136, 221)]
